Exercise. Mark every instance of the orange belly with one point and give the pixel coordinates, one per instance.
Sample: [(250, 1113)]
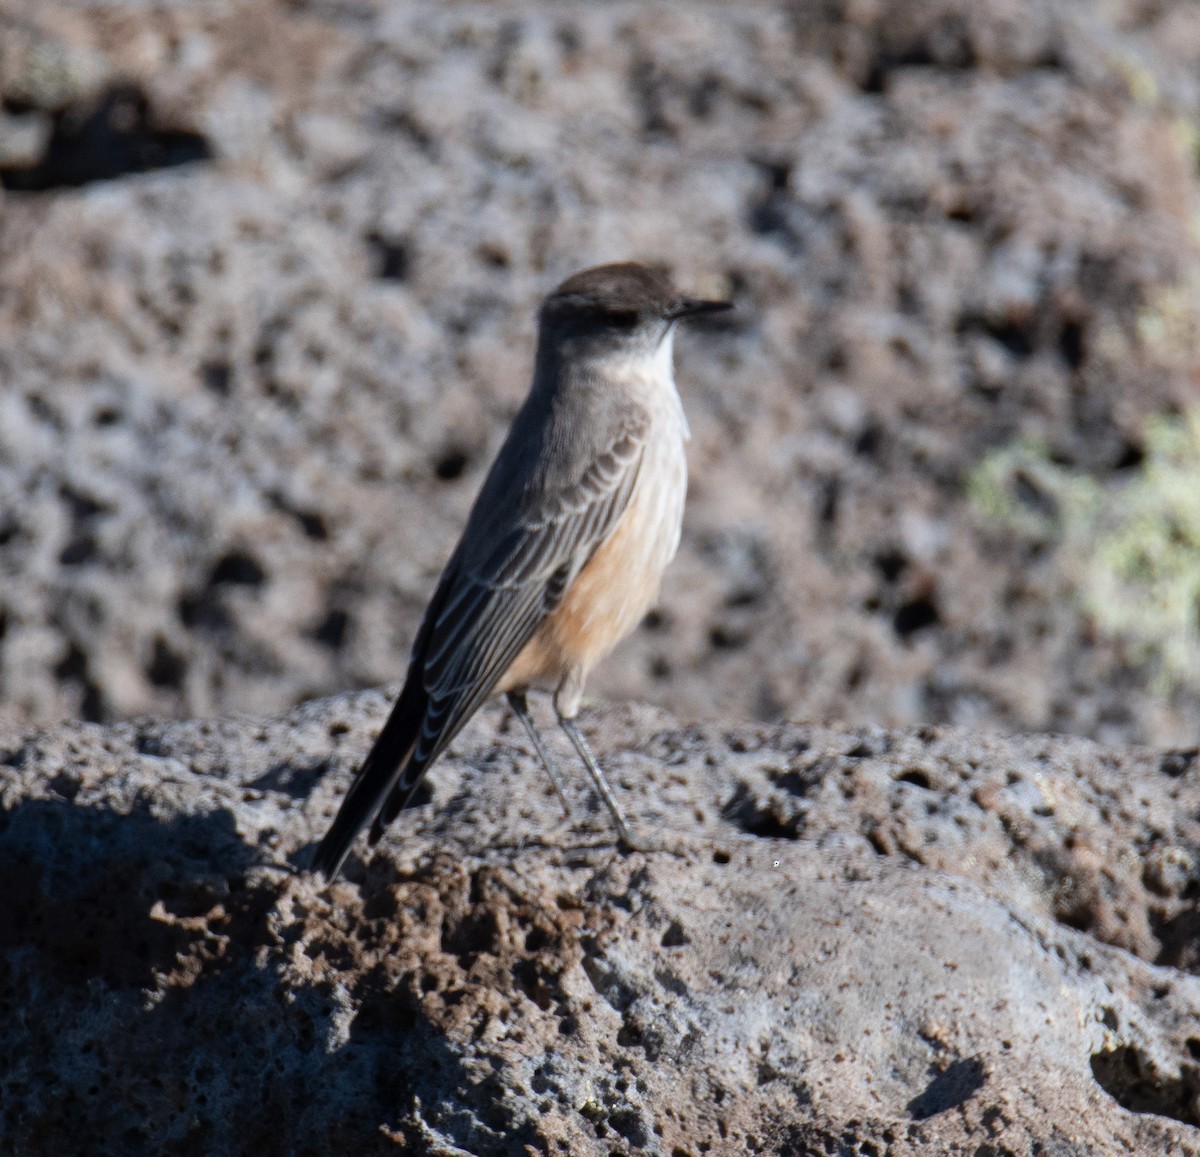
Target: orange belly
[(592, 619), (617, 586)]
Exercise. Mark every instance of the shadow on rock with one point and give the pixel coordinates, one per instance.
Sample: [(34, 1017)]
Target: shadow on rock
[(149, 998), (90, 893), (950, 1087)]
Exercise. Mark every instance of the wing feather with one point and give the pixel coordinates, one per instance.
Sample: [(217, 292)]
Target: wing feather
[(488, 605), (501, 603)]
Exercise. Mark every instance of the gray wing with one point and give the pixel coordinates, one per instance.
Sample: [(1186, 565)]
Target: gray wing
[(487, 608), (555, 492)]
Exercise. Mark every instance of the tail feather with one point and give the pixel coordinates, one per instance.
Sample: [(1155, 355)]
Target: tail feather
[(397, 799), (377, 779)]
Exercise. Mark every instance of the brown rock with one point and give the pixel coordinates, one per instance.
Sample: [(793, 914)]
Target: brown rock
[(847, 939)]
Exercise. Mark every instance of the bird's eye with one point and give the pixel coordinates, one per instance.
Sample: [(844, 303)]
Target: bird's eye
[(621, 318)]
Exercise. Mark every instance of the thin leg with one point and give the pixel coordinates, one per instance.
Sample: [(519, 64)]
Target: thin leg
[(516, 700), (601, 784)]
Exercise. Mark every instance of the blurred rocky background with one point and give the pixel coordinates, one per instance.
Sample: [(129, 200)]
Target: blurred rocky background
[(268, 273), (267, 281)]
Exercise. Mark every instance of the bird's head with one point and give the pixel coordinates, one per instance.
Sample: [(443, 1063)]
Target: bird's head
[(624, 307)]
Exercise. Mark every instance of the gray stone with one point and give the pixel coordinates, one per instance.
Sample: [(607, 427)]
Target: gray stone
[(870, 941), (245, 403)]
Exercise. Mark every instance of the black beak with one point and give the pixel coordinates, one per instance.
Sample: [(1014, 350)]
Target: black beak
[(694, 306)]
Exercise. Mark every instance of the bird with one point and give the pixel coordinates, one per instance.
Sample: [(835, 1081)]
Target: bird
[(565, 546)]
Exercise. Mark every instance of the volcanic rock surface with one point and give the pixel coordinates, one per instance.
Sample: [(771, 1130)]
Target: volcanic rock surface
[(840, 942), (268, 273)]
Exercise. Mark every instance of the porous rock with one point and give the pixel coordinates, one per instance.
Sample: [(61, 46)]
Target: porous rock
[(858, 942), (267, 297)]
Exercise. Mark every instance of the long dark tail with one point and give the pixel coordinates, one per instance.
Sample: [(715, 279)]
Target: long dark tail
[(381, 772)]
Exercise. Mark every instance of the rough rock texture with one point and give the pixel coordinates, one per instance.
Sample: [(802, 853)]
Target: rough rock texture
[(266, 291), (857, 942), (267, 274)]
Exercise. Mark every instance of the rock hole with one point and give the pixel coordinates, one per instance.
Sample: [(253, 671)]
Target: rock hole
[(391, 257), (914, 616), (1071, 344), (331, 631), (1028, 491), (74, 667), (1176, 763), (1131, 457), (1126, 1076), (1179, 940), (536, 939), (759, 818), (217, 377), (100, 140), (470, 935), (856, 676), (312, 522), (64, 786), (1016, 337), (236, 568), (82, 506), (770, 214), (81, 549), (675, 936), (451, 464), (891, 564), (702, 96), (628, 1122), (723, 637), (166, 668), (744, 596), (529, 977), (648, 84), (493, 256), (828, 497), (877, 842), (202, 610), (836, 359), (150, 745), (866, 445)]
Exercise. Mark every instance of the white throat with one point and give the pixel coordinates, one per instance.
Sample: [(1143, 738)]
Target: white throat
[(648, 373)]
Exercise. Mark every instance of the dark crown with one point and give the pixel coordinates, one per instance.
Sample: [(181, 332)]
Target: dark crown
[(621, 291)]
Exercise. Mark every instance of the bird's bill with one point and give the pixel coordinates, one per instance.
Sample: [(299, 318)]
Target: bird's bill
[(694, 306)]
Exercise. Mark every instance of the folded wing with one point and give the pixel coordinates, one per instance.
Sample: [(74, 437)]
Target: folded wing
[(509, 572)]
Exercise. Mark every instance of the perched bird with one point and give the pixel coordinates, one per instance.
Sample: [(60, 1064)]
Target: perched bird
[(565, 546)]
